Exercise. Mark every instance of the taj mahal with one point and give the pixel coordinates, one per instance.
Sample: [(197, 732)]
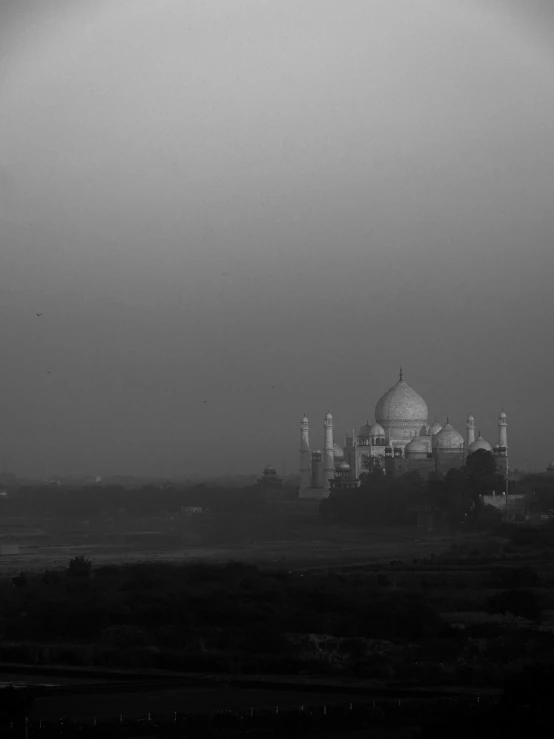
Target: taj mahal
[(400, 441)]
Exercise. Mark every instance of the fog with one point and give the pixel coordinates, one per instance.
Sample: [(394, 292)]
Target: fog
[(232, 214)]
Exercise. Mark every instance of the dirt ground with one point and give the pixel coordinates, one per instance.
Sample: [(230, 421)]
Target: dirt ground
[(341, 548)]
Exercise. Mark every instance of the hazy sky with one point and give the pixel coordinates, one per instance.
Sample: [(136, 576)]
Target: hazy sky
[(206, 199)]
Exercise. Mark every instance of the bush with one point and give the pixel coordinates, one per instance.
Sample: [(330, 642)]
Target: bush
[(71, 657), (51, 577), (123, 636), (20, 580), (517, 602), (80, 567), (514, 577)]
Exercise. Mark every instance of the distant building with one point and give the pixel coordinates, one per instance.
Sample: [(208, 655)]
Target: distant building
[(270, 483), (513, 507), (344, 479), (399, 441)]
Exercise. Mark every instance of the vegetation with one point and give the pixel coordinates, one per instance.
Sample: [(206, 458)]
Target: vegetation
[(400, 620), (99, 501), (392, 501), (198, 617)]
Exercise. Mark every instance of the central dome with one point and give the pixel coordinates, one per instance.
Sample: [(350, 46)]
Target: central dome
[(401, 404)]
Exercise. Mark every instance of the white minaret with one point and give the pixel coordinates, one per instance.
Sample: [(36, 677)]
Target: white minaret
[(502, 431), (470, 426), (305, 471), (328, 452)]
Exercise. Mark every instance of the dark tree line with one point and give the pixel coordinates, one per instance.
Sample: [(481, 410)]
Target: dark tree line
[(97, 501), (391, 501)]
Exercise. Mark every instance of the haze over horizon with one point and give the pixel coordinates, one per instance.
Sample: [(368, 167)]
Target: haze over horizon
[(205, 200)]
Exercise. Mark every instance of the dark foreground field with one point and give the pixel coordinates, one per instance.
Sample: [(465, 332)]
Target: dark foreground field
[(291, 541), (291, 625)]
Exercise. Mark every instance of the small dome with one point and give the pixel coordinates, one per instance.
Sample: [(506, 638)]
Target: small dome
[(470, 418), (328, 416), (376, 430), (502, 415), (400, 403), (365, 430), (304, 420), (435, 428), (337, 452), (416, 446), (479, 443), (269, 468), (424, 430), (448, 438), (344, 466)]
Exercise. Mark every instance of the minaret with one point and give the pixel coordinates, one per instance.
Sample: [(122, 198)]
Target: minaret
[(501, 452), (328, 452), (470, 426), (502, 431), (305, 472)]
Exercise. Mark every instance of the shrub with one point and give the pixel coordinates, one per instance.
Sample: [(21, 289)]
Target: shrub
[(51, 577), (20, 580), (71, 657), (80, 567), (123, 636), (354, 647), (517, 602), (514, 577)]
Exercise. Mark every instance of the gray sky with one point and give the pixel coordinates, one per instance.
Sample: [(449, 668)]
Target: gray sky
[(205, 199)]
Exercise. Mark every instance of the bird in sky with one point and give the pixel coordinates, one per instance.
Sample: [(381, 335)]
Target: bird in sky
[(205, 401), (39, 314), (273, 387)]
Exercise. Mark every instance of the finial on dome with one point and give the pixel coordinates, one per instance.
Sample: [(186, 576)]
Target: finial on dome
[(447, 421), (401, 373)]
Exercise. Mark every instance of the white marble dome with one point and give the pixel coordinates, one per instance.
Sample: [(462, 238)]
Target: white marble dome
[(401, 403), (479, 443), (435, 428), (417, 447), (376, 430), (448, 438)]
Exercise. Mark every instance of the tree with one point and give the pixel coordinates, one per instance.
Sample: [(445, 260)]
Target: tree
[(465, 487), (518, 602), (80, 567), (481, 472)]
